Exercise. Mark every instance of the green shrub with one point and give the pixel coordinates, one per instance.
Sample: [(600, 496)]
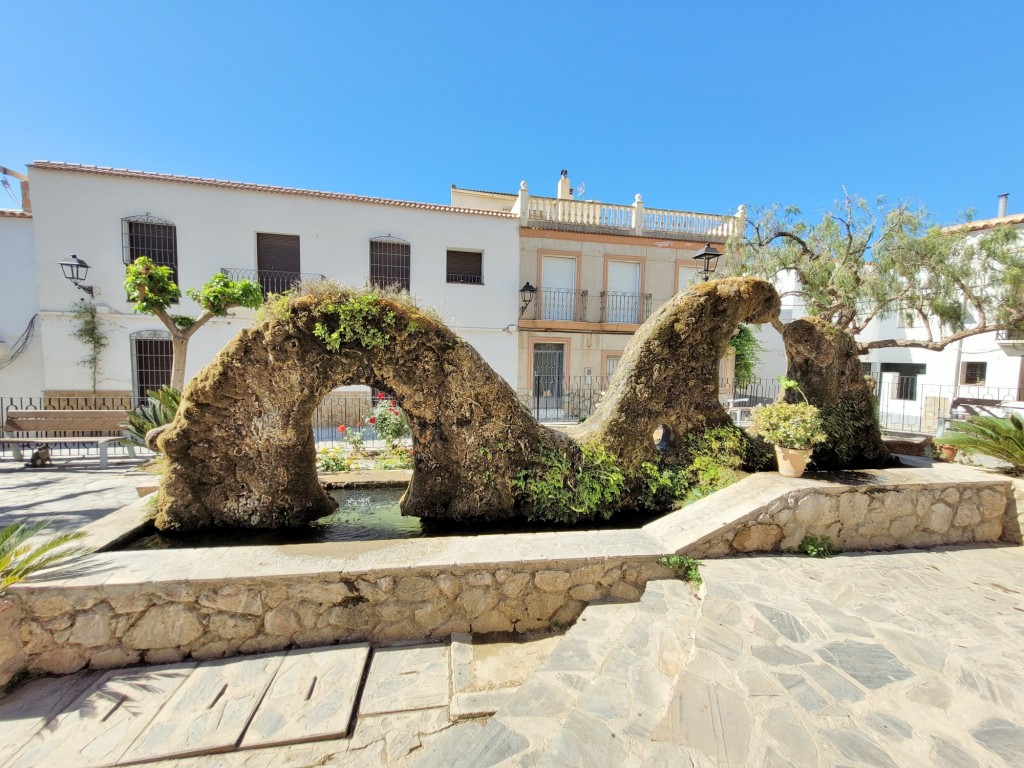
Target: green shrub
[(19, 559), (558, 489), (158, 410), (990, 436)]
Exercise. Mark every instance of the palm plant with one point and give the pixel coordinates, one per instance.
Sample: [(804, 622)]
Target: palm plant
[(19, 559), (990, 436), (158, 410)]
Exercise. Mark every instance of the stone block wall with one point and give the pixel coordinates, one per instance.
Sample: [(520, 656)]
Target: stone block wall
[(862, 518), (64, 630)]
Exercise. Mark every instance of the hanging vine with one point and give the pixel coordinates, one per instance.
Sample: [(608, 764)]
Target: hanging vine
[(87, 330), (748, 355)]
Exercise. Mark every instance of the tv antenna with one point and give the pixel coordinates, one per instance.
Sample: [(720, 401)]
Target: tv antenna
[(581, 190)]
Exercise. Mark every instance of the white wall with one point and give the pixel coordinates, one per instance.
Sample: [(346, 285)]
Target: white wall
[(81, 212), (23, 376)]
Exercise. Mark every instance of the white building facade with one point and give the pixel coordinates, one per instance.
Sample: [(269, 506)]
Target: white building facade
[(200, 227)]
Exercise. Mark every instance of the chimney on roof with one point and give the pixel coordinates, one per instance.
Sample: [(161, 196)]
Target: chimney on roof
[(1002, 204), (564, 188), (26, 199)]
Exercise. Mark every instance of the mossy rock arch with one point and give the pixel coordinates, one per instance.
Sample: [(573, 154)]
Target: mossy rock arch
[(240, 452)]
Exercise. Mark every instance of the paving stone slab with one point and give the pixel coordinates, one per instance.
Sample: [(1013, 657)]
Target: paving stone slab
[(26, 710), (312, 697), (406, 678), (98, 727), (209, 712)]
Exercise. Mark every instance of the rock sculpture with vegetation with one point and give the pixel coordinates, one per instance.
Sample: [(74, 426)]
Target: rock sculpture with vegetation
[(824, 360), (240, 452)]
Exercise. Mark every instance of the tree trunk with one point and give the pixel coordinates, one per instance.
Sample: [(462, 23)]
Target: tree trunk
[(824, 361), (179, 350)]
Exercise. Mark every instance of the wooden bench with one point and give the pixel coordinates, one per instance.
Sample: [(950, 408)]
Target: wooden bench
[(44, 423)]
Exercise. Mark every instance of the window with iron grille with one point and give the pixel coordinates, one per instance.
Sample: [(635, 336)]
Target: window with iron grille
[(389, 263), (151, 361), (973, 373), (277, 262), (152, 237), (465, 267)]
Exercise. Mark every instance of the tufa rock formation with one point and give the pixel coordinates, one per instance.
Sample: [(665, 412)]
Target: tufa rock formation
[(668, 378), (824, 360), (240, 452)]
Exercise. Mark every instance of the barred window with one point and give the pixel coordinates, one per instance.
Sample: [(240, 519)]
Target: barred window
[(465, 267), (151, 361), (973, 373), (390, 263), (149, 236)]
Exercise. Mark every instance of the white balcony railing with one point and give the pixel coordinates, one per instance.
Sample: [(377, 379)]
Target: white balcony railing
[(627, 219), (583, 213), (708, 225)]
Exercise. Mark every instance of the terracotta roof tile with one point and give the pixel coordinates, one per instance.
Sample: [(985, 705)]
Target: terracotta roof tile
[(12, 214), (122, 172), (974, 226)]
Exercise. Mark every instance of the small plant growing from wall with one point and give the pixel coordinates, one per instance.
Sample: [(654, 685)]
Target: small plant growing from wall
[(748, 355), (687, 567), (813, 545), (87, 330)]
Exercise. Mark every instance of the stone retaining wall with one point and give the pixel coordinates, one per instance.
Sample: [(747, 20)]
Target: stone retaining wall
[(62, 631), (872, 518), (121, 608)]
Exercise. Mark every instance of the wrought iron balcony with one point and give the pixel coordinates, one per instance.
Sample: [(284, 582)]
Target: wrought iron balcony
[(269, 280), (623, 307), (558, 304), (1011, 342)]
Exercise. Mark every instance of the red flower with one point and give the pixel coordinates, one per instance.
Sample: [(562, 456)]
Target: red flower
[(342, 428), (373, 420), (392, 410)]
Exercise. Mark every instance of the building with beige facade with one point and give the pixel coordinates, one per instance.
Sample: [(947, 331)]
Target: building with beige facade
[(599, 270)]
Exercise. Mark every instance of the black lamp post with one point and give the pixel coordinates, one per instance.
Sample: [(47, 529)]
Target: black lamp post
[(526, 294), (709, 256), (75, 270)]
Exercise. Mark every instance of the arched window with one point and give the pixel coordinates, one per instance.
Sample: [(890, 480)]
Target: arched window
[(389, 262), (147, 235), (151, 361)]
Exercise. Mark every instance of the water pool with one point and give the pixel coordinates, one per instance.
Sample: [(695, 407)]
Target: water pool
[(362, 515)]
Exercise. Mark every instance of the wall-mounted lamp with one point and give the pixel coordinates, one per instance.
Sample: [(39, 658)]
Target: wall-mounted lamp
[(75, 270), (709, 256), (526, 294)]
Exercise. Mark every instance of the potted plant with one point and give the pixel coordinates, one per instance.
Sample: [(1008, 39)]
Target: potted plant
[(794, 429)]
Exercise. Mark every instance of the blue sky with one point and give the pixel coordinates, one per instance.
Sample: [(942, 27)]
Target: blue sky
[(699, 106)]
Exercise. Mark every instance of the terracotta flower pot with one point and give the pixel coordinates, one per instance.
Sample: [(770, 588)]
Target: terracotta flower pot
[(947, 452), (792, 461)]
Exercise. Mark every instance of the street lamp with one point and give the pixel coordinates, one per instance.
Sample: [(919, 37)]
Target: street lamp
[(526, 294), (709, 256), (75, 270)]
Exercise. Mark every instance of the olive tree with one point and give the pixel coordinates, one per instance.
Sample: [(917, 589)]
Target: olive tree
[(862, 261), (152, 288)]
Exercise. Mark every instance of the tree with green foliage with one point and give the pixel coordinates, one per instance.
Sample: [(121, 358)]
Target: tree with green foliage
[(152, 288), (864, 261)]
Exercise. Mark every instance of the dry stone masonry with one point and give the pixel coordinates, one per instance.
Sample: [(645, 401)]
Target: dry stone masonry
[(156, 607)]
